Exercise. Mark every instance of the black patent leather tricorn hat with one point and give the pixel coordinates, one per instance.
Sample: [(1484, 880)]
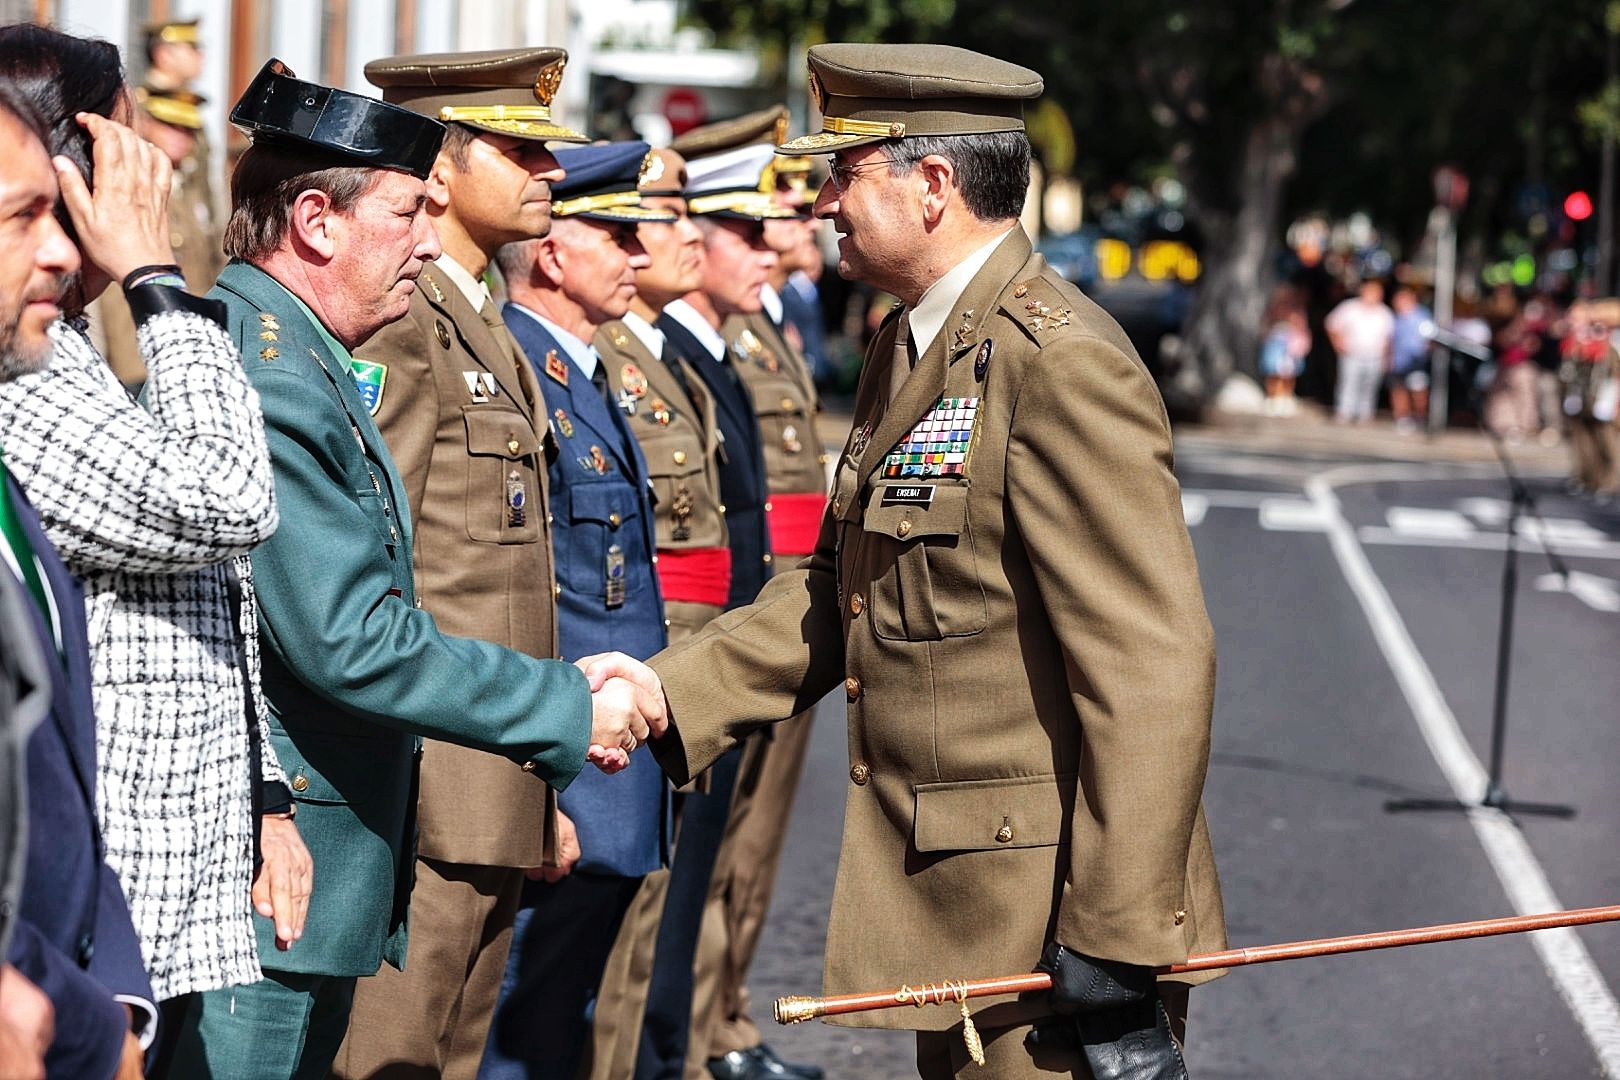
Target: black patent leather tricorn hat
[(280, 107)]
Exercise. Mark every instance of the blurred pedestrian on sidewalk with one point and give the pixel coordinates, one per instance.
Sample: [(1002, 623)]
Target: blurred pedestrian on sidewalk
[(1361, 329), (1283, 352), (1409, 361)]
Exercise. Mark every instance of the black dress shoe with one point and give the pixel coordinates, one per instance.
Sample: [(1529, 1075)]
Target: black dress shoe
[(759, 1063)]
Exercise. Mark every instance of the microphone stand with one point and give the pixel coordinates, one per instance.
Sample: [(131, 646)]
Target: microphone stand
[(1522, 501)]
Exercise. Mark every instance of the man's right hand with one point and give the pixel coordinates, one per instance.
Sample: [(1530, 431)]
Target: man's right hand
[(621, 715), (27, 1026)]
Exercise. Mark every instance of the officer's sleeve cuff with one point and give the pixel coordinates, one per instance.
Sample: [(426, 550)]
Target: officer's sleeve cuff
[(144, 1018)]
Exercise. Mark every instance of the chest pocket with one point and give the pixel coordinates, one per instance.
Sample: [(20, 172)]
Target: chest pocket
[(603, 532), (675, 466), (501, 449), (925, 579), (784, 426)]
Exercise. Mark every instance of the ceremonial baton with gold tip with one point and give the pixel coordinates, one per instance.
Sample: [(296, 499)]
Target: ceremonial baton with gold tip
[(796, 1010)]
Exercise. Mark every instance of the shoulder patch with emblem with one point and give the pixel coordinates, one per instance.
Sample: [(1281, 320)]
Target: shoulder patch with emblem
[(369, 379)]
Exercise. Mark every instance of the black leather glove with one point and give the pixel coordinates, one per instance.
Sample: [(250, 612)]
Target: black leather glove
[(1118, 1018)]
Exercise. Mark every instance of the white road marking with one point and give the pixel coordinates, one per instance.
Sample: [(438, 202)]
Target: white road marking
[(1292, 515), (1493, 512), (1596, 592), (1193, 508), (1491, 541), (1561, 531), (1426, 522), (1562, 952)]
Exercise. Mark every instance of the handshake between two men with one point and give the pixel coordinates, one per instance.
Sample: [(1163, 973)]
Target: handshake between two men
[(627, 708)]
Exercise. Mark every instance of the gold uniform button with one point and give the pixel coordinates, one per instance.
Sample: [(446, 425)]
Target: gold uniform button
[(857, 604), (860, 774), (680, 457), (1004, 834), (838, 507), (767, 558), (1181, 917), (528, 766), (300, 783), (722, 508), (852, 687), (615, 520), (512, 446), (824, 458), (903, 529), (556, 589), (787, 404)]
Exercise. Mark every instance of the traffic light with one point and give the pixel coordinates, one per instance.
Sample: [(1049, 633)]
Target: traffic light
[(1578, 206)]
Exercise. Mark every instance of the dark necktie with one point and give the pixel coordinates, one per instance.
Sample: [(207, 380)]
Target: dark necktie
[(599, 380)]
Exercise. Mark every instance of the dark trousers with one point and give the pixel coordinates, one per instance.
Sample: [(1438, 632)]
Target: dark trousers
[(665, 1029), (560, 945)]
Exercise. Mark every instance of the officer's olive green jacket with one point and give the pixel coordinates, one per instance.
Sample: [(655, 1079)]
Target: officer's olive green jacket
[(465, 423), (353, 671), (1028, 664)]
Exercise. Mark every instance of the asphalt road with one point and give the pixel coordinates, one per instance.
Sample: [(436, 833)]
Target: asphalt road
[(1356, 607)]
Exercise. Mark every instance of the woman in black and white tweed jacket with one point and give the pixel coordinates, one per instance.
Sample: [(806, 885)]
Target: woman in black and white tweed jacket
[(151, 507)]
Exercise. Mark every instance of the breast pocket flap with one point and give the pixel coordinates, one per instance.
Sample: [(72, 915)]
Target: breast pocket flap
[(983, 815), (913, 511)]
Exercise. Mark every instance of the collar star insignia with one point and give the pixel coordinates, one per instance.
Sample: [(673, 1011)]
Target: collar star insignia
[(627, 402)]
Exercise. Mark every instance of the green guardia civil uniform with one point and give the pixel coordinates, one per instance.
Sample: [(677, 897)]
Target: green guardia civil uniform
[(354, 672)]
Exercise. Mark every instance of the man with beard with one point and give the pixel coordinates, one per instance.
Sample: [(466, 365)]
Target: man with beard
[(466, 424), (1005, 588), (563, 287), (72, 935), (328, 234)]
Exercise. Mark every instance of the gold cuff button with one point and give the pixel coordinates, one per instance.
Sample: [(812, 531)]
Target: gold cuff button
[(680, 457), (1004, 834), (528, 766), (860, 774), (300, 783), (903, 529), (857, 603), (852, 687), (1181, 917)]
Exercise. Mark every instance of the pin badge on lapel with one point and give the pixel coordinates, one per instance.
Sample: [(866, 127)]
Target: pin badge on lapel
[(981, 362), (614, 582)]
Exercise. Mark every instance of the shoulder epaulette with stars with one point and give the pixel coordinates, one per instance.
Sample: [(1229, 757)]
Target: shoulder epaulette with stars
[(269, 331), (1039, 307)]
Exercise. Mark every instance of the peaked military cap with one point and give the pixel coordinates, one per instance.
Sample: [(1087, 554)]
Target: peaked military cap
[(279, 107), (662, 173), (179, 107), (766, 126), (601, 184), (871, 93), (508, 91), (172, 32), (729, 185)]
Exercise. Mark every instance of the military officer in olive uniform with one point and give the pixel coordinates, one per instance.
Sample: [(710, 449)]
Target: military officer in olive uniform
[(1005, 588), (725, 1041), (562, 288), (680, 438), (328, 234), (466, 423)]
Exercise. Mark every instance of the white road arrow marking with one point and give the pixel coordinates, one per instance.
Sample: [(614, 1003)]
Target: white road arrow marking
[(1596, 592)]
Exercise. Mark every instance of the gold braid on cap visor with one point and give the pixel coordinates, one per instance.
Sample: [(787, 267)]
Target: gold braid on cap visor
[(837, 125)]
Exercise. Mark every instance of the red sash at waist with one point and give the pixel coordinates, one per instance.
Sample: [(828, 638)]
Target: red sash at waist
[(696, 575), (795, 521)]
